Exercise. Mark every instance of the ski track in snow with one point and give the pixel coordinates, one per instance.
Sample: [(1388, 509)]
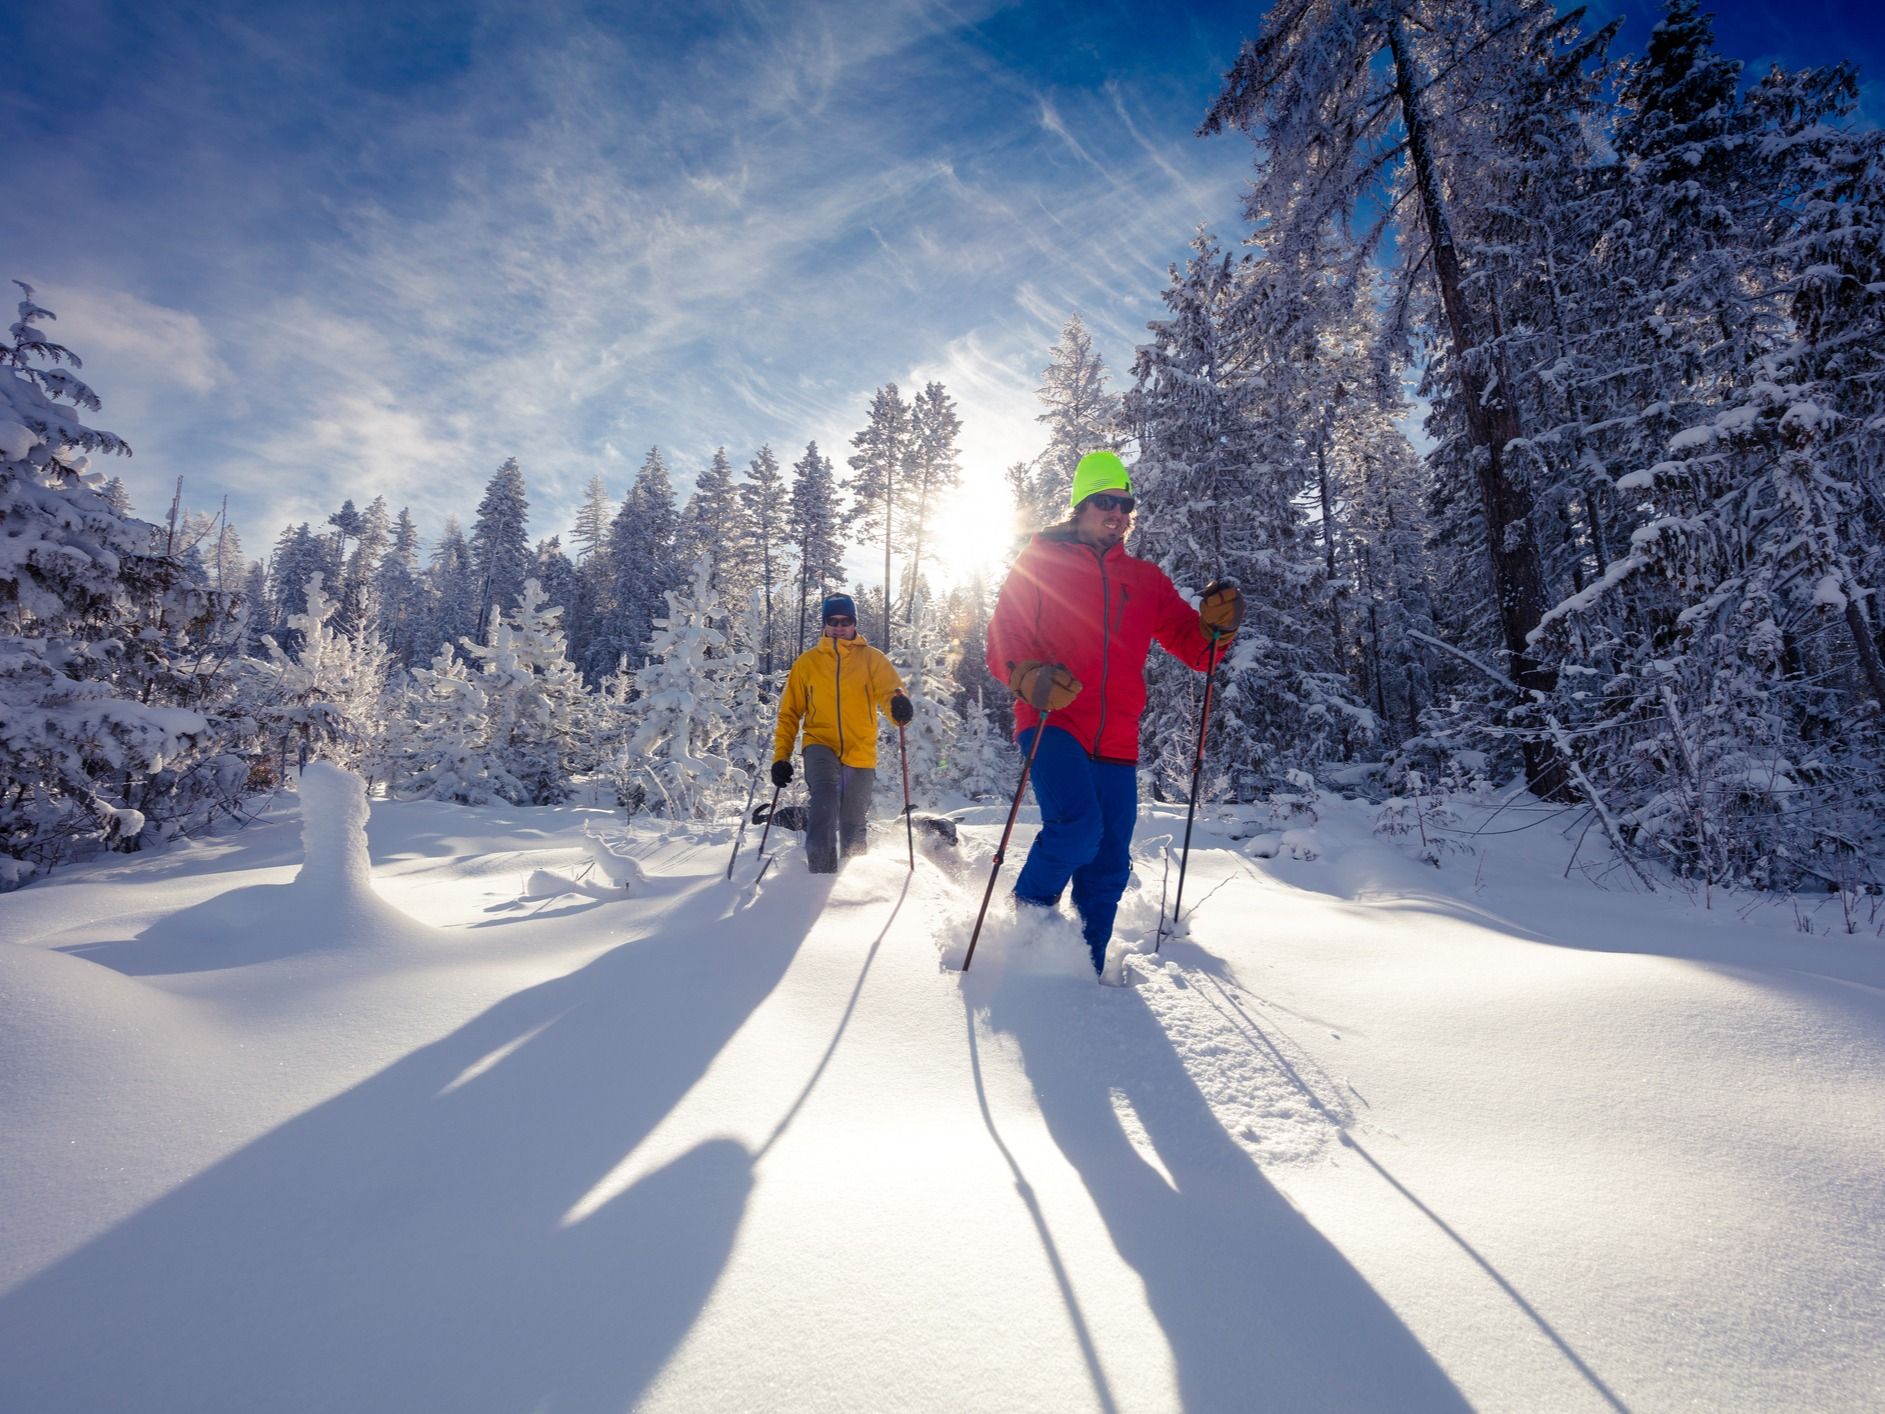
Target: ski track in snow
[(1271, 1097)]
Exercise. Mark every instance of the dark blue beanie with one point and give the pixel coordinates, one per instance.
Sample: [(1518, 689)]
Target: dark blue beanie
[(838, 604)]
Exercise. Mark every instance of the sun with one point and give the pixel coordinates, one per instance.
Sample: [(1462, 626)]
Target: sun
[(974, 531)]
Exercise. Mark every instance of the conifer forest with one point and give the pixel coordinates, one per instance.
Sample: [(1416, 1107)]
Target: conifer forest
[(1537, 403)]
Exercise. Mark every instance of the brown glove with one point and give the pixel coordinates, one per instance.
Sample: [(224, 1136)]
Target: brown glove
[(1046, 687), (1221, 611)]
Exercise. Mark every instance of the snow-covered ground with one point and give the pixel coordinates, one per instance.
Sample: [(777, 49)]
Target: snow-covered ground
[(457, 1135)]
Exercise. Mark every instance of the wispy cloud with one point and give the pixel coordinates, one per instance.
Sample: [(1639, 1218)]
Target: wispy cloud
[(572, 239)]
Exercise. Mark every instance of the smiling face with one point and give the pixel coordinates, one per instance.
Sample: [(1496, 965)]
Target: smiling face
[(1099, 527)]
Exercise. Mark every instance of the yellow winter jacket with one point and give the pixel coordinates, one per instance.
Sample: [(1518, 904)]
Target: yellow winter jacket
[(836, 689)]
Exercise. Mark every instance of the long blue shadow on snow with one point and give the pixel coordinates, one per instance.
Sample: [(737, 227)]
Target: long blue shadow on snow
[(407, 1244), (1550, 1333), (844, 1022), (1259, 1309), (1089, 1352)]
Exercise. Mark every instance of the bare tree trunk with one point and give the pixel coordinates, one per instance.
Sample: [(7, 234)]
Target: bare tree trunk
[(1492, 423), (803, 576), (1868, 650)]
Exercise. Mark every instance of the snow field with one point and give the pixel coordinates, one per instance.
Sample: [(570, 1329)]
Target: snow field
[(1365, 1135)]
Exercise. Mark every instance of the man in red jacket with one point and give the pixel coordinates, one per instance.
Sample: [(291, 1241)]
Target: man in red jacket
[(1076, 598)]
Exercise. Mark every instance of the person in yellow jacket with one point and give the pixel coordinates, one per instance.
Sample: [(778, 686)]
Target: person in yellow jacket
[(835, 691)]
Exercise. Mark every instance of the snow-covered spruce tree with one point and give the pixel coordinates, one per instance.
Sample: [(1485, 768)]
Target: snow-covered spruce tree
[(1222, 483), (879, 466), (817, 538), (932, 470), (325, 696), (714, 525), (500, 544), (398, 592), (1384, 552), (588, 595), (611, 724), (111, 702), (1730, 708), (752, 696), (642, 566), (451, 590), (537, 714), (1526, 104), (591, 534), (356, 603), (983, 765), (440, 741), (299, 553), (1080, 415), (923, 661), (1345, 99), (970, 607), (684, 710), (767, 530), (257, 608), (1826, 242), (551, 569)]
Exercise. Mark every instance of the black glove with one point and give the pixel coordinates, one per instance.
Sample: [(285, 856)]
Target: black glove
[(900, 709), (782, 774)]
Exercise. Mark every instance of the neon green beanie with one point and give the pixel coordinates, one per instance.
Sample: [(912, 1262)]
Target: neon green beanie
[(1099, 471)]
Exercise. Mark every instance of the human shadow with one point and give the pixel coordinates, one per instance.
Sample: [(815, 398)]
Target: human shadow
[(1258, 1308), (434, 1237)]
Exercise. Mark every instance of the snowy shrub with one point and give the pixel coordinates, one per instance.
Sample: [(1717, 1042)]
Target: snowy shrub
[(684, 714), (1295, 807), (325, 698), (922, 661), (440, 746), (1419, 821), (514, 729), (984, 764)]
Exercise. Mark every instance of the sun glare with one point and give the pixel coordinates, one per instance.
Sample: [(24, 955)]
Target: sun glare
[(974, 529)]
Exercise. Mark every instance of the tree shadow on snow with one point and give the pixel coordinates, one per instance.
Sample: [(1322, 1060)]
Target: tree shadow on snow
[(1259, 1309), (422, 1240)]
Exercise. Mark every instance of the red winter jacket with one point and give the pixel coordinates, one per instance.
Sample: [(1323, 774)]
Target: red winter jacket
[(1097, 614)]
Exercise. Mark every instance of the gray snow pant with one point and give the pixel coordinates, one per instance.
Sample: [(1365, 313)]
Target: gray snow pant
[(841, 797)]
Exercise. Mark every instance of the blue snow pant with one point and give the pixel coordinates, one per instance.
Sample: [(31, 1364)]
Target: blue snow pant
[(1088, 809)]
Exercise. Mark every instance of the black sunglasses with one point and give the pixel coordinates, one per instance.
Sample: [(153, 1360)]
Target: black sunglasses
[(840, 621), (1111, 503)]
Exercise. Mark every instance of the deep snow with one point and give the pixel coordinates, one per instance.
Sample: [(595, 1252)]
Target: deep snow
[(491, 1130)]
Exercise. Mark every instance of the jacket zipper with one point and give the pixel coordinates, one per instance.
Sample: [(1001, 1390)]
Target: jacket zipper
[(1106, 644), (837, 693)]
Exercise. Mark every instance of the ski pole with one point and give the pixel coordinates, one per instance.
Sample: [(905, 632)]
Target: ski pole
[(763, 861), (1191, 812), (909, 829), (740, 839), (1048, 673)]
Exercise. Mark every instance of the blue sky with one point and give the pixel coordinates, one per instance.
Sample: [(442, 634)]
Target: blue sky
[(357, 248)]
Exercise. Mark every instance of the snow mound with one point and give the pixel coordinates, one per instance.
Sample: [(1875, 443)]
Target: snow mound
[(334, 831), (330, 906)]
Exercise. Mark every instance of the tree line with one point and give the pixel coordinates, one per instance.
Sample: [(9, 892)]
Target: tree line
[(1636, 300)]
